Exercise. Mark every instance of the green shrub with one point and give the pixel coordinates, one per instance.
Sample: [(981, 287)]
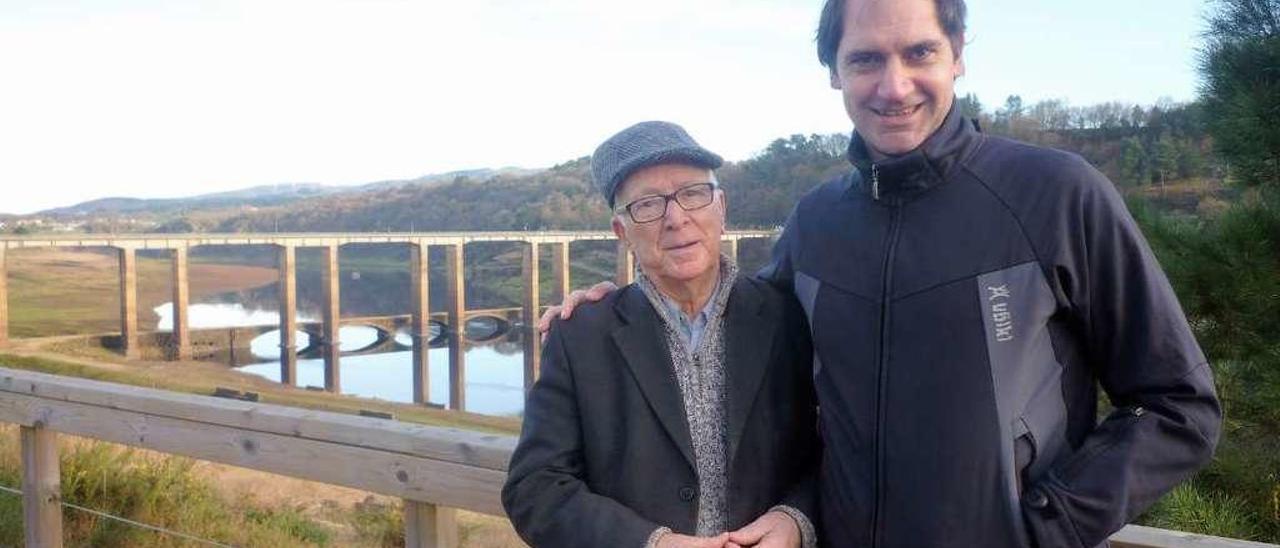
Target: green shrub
[(1226, 271)]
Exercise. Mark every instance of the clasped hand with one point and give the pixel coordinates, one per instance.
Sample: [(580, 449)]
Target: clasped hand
[(772, 530)]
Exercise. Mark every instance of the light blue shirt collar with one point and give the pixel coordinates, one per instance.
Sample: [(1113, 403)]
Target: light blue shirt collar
[(691, 330)]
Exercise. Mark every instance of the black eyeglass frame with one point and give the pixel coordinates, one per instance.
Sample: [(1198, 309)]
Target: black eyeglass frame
[(667, 199)]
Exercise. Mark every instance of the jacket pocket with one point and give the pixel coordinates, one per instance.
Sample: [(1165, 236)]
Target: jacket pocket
[(1024, 453), (1110, 432)]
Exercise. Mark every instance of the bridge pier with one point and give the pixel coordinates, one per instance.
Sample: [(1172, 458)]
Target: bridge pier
[(560, 270), (420, 270), (181, 302), (4, 299), (626, 265), (532, 339), (128, 260), (331, 346), (454, 262), (288, 289)]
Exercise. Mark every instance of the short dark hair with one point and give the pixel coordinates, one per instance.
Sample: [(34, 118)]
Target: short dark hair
[(951, 14)]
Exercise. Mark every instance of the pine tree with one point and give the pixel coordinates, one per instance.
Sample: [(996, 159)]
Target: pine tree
[(1240, 63)]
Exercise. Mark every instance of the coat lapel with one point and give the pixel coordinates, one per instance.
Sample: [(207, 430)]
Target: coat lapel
[(748, 350), (645, 353)]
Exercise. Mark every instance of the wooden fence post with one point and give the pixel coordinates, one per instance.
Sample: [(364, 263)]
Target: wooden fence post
[(429, 526), (41, 488)]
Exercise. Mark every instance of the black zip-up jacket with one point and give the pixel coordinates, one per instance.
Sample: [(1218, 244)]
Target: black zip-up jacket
[(965, 301)]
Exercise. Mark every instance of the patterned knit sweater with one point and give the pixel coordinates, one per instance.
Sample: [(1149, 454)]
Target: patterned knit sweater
[(700, 372)]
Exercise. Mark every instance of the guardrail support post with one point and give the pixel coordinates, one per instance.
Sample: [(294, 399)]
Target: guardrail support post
[(128, 302), (532, 340), (560, 270), (420, 269), (731, 249), (429, 526), (181, 302), (454, 262), (331, 282), (41, 488), (4, 299), (626, 265), (288, 289)]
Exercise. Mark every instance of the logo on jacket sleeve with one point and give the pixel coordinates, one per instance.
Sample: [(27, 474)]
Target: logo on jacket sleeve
[(1001, 319)]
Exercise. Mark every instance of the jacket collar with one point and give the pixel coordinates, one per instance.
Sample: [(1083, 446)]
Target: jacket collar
[(748, 349), (901, 177)]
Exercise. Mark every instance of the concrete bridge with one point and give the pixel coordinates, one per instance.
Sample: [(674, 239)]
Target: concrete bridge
[(324, 336)]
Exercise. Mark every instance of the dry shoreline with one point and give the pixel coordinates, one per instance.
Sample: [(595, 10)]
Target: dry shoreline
[(54, 293)]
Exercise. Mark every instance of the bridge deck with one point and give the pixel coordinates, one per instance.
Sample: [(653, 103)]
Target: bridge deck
[(176, 241)]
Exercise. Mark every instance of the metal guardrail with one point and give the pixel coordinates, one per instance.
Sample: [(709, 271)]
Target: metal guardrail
[(434, 469)]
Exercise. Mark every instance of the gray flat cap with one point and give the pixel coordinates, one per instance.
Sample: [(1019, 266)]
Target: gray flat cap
[(642, 145)]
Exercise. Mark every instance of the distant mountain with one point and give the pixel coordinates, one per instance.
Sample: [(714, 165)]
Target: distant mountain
[(257, 196)]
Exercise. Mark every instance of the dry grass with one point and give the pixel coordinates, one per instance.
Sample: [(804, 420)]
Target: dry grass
[(247, 507), (62, 292)]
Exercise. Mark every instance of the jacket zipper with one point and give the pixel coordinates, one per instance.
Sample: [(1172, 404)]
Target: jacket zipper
[(875, 182), (886, 286)]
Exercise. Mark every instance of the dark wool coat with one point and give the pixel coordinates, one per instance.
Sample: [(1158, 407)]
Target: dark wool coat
[(605, 456)]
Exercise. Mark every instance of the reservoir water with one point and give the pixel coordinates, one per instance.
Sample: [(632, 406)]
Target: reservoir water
[(494, 371)]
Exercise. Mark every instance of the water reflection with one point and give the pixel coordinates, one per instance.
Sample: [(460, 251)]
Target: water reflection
[(351, 338), (495, 384), (495, 371), (211, 315)]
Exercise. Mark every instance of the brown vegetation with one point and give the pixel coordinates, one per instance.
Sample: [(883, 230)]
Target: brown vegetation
[(60, 292)]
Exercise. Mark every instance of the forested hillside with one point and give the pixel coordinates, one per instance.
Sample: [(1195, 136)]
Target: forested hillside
[(1134, 145), (555, 198)]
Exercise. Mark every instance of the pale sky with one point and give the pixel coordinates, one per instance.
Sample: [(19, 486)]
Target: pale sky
[(166, 98)]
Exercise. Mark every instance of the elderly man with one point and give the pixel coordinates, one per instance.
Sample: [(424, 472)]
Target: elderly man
[(680, 407), (967, 295)]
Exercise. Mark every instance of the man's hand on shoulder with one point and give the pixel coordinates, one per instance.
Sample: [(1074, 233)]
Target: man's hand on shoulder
[(578, 296), (774, 529)]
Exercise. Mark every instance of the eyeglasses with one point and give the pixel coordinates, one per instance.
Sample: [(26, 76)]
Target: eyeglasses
[(651, 208)]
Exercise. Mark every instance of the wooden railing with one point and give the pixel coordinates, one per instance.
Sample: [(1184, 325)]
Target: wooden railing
[(435, 470)]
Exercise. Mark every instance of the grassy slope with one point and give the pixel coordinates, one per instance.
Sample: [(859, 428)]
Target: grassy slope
[(60, 292)]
